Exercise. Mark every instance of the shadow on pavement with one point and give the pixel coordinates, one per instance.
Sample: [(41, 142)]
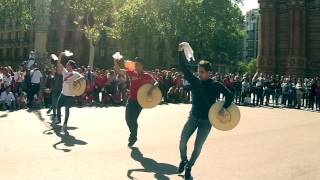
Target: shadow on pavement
[(4, 115), (39, 115), (160, 170), (65, 138)]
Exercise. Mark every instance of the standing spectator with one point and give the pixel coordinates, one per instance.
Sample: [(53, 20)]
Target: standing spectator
[(300, 90), (246, 94), (267, 90), (258, 88), (317, 94), (292, 94), (167, 83), (278, 91), (285, 91), (36, 77), (312, 93), (101, 83), (237, 89)]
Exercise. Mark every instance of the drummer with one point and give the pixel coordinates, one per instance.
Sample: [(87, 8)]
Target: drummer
[(138, 78), (205, 92), (66, 98)]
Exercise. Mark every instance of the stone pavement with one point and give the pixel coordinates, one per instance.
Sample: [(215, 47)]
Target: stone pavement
[(268, 144)]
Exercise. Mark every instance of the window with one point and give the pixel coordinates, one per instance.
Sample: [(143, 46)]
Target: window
[(9, 36), (102, 53), (9, 52), (26, 36), (17, 36), (16, 52)]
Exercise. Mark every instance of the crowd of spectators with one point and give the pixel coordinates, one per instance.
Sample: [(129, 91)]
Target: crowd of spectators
[(21, 88)]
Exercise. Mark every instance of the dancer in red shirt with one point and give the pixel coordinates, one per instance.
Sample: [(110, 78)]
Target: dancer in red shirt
[(138, 78)]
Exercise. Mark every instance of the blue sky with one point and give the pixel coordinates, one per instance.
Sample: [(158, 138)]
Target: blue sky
[(249, 4)]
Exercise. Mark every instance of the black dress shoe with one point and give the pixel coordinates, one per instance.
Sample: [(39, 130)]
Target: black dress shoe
[(182, 165)]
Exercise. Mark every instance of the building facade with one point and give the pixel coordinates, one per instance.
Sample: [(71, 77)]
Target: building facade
[(55, 31), (289, 37), (251, 34)]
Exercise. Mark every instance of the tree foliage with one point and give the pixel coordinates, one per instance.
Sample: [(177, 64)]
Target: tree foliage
[(19, 10), (213, 27), (92, 16)]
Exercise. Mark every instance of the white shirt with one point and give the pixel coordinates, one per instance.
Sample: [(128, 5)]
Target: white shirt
[(68, 77), (36, 76), (7, 97)]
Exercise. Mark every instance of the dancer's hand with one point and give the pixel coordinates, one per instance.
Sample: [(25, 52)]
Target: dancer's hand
[(223, 113)]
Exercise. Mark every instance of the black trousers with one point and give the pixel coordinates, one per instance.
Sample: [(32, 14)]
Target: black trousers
[(67, 102), (34, 89), (133, 110)]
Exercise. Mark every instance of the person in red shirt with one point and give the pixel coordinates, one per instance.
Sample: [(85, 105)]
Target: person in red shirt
[(101, 83), (138, 78)]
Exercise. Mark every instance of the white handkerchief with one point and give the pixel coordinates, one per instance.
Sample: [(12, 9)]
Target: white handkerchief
[(68, 53), (188, 51), (54, 57), (117, 56)]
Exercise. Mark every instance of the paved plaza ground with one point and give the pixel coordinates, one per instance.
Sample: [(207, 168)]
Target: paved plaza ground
[(268, 144)]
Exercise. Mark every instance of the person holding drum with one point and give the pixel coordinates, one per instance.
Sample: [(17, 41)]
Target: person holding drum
[(205, 92), (66, 97), (138, 77)]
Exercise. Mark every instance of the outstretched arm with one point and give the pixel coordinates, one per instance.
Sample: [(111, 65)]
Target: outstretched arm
[(155, 85), (227, 93)]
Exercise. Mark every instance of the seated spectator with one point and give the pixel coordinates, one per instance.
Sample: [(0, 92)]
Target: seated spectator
[(7, 100), (21, 100)]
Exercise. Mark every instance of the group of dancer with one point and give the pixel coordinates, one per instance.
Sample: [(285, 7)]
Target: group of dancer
[(205, 92)]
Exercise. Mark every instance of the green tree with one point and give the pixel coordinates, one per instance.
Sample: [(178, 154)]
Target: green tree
[(252, 66), (19, 10), (94, 19), (213, 27)]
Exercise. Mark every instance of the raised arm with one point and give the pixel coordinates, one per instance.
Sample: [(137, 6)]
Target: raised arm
[(117, 68), (60, 67), (185, 70)]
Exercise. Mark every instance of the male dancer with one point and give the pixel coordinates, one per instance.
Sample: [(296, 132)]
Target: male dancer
[(66, 98), (138, 78), (205, 92)]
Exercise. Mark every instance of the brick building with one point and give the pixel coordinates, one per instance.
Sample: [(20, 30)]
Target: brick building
[(289, 37)]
